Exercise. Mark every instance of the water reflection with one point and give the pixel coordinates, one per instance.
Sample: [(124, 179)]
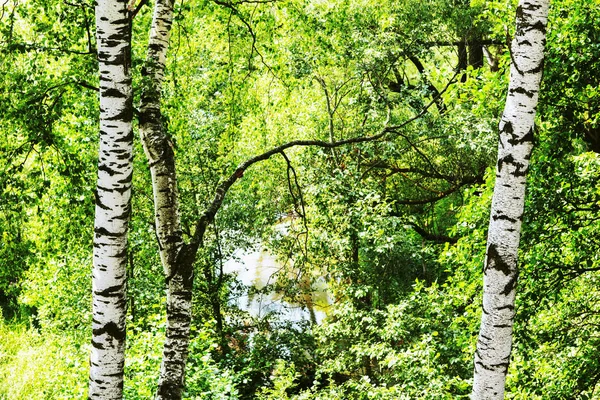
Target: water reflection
[(258, 269)]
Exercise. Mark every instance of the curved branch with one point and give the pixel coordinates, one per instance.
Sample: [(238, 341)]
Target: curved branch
[(440, 102), (445, 193), (137, 9), (221, 191), (432, 236)]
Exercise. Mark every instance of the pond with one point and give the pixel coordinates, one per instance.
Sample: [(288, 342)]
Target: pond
[(258, 269)]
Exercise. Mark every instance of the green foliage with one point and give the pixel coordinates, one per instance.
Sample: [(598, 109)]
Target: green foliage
[(396, 228), (35, 366)]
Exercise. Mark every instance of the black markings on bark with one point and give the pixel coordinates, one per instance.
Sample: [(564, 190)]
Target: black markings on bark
[(152, 164), (184, 265), (112, 291), (495, 261), (98, 202), (528, 137), (520, 169), (537, 69), (123, 216), (126, 139), (108, 170), (146, 117), (531, 6), (538, 26), (182, 294), (484, 366), (121, 254), (123, 21), (117, 374), (503, 217), (121, 153), (514, 140), (105, 232), (110, 43), (176, 238), (507, 159), (503, 366), (162, 174), (507, 127), (510, 286), (115, 93), (519, 13), (156, 47), (522, 90), (122, 189), (127, 179), (125, 115), (112, 330), (169, 390), (178, 316)]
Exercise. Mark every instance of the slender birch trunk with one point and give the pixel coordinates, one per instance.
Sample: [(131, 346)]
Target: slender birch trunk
[(177, 257), (176, 260), (113, 206), (514, 150)]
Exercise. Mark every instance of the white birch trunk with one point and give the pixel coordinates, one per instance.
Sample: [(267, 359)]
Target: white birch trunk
[(177, 261), (514, 150), (113, 206)]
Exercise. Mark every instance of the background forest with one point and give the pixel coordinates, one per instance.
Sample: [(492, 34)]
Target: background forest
[(394, 228)]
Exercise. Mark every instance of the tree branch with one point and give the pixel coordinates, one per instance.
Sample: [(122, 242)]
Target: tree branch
[(445, 193), (440, 102), (432, 236), (489, 42), (222, 189), (137, 9), (25, 47)]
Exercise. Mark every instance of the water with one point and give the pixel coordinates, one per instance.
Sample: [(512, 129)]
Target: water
[(258, 269)]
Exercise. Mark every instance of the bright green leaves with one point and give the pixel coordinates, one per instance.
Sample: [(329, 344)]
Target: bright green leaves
[(572, 98), (244, 77)]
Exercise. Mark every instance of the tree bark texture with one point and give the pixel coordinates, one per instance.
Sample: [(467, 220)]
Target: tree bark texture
[(177, 261), (113, 200), (514, 150)]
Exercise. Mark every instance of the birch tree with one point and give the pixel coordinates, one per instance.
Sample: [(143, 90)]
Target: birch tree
[(113, 195), (177, 267), (177, 256), (516, 133)]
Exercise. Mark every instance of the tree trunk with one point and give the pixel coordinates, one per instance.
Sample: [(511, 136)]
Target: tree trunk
[(515, 144), (177, 261), (113, 200), (463, 60), (475, 53)]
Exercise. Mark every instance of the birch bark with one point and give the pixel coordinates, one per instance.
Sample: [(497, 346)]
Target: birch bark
[(176, 260), (514, 150), (177, 257), (113, 194)]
